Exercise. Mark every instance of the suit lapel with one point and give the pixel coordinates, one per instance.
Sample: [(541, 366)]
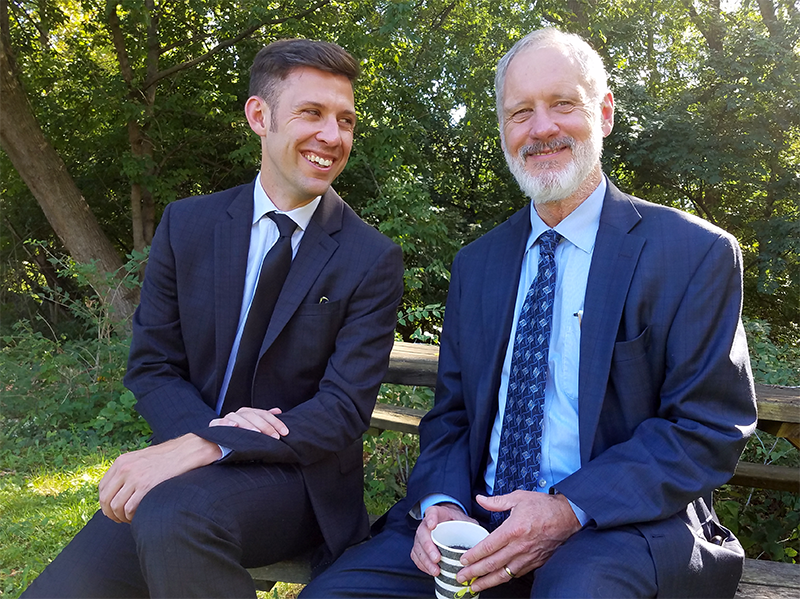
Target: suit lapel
[(316, 248), (498, 283), (501, 278), (616, 254), (231, 245)]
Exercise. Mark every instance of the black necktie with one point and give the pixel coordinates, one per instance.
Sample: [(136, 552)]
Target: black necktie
[(274, 270)]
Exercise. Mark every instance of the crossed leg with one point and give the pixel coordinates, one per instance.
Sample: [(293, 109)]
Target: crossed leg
[(192, 536)]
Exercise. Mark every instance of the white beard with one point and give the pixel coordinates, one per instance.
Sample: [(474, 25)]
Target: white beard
[(549, 185)]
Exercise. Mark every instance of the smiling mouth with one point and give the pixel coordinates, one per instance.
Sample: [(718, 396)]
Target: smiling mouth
[(544, 153), (546, 149), (318, 160)]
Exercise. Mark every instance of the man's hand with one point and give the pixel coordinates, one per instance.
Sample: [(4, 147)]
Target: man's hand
[(133, 474), (254, 419), (537, 526), (425, 553)]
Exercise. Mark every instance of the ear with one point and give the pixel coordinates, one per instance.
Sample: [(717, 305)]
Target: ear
[(258, 115), (607, 114)]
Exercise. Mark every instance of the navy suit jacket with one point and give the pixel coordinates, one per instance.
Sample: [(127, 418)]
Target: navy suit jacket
[(666, 400), (324, 354)]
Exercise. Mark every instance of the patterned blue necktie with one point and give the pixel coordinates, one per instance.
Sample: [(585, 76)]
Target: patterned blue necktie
[(520, 450)]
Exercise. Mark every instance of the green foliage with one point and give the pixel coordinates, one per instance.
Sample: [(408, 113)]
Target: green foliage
[(766, 522), (706, 120), (58, 386), (424, 323), (390, 456), (773, 363)]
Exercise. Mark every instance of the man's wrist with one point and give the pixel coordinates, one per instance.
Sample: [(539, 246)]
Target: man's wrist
[(196, 451)]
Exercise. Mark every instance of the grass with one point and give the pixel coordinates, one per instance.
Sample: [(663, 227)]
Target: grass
[(41, 508)]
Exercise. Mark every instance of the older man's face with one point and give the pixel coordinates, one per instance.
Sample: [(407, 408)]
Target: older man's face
[(552, 128)]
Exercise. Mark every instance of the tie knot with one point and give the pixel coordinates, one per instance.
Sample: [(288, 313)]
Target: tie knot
[(548, 241), (286, 225)]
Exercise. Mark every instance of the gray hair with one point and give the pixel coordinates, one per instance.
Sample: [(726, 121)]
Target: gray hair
[(588, 61)]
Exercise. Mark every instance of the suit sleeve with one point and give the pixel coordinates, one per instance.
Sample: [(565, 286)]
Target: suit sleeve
[(443, 465), (339, 413), (704, 406), (158, 368)]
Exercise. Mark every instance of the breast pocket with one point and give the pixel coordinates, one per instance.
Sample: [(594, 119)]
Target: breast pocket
[(313, 329), (631, 375)]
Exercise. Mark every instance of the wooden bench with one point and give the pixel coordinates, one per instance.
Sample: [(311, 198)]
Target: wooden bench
[(779, 414)]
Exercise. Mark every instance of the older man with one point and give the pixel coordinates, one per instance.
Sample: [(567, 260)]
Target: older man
[(263, 334), (594, 384)]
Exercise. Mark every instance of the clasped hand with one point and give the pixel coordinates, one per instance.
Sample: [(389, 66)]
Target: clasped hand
[(254, 419), (134, 474), (537, 526)]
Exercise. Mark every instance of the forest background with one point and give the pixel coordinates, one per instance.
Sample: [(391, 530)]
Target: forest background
[(111, 109)]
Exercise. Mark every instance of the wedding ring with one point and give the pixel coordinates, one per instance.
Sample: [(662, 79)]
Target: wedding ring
[(509, 572)]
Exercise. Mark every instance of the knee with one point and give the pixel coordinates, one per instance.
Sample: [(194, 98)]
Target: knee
[(581, 582), (171, 515), (614, 563)]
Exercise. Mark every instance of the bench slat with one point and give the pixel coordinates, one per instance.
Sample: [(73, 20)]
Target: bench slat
[(762, 476), (778, 407), (767, 476)]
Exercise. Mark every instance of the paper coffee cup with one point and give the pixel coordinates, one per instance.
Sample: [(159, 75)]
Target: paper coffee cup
[(454, 538)]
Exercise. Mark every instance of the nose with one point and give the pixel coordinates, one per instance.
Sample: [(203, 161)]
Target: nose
[(543, 125), (329, 132)]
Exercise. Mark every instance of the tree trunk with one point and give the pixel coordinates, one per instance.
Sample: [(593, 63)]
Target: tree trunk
[(45, 174), (767, 10), (710, 24)]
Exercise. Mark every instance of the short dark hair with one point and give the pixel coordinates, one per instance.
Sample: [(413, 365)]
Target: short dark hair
[(276, 61)]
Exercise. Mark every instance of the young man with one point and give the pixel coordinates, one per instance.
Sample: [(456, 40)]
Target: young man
[(594, 382), (257, 353)]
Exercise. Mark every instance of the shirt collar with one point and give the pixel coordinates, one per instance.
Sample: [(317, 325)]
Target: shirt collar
[(263, 205), (580, 226)]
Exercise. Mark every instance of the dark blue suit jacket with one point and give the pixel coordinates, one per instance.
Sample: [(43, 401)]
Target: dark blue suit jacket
[(666, 399), (324, 354)]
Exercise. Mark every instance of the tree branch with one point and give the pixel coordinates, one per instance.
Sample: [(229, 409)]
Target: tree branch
[(152, 49), (442, 16), (118, 41), (43, 39), (767, 10), (227, 43), (710, 26), (194, 38)]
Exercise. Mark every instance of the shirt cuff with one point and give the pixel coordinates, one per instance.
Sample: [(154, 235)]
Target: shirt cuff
[(436, 498), (582, 517), (225, 451)]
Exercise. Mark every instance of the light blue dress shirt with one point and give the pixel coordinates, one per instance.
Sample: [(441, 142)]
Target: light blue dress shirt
[(263, 235), (560, 438)]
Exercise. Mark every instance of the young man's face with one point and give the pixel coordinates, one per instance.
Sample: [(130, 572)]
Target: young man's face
[(310, 142)]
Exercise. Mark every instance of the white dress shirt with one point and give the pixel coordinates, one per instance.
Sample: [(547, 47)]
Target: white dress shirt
[(263, 235)]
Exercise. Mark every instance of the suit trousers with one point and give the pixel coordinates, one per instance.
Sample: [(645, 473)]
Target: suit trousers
[(192, 536), (612, 563)]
